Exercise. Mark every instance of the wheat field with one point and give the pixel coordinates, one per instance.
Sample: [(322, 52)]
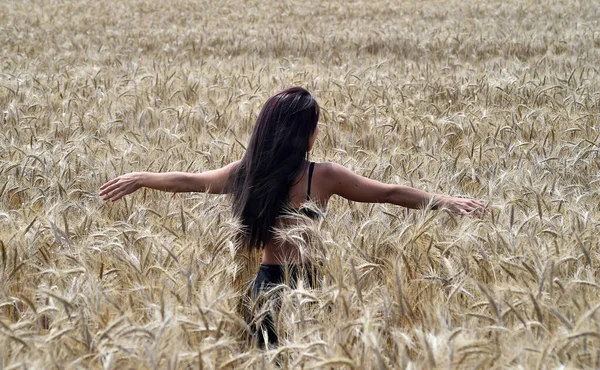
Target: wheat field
[(498, 101)]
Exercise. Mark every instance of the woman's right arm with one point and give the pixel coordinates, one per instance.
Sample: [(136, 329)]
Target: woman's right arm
[(214, 182), (351, 186)]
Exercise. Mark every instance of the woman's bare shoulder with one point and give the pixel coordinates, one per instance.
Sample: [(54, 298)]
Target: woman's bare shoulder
[(327, 168), (330, 169)]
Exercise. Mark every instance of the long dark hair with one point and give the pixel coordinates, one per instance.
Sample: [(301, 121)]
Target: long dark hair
[(275, 157)]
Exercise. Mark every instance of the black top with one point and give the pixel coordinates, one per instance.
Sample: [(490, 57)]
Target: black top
[(308, 212), (311, 168)]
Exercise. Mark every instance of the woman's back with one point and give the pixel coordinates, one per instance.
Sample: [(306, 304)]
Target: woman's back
[(306, 188)]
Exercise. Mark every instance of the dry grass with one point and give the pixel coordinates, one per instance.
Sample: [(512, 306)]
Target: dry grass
[(494, 100)]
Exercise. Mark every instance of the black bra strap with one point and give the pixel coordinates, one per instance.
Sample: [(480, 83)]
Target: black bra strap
[(311, 168)]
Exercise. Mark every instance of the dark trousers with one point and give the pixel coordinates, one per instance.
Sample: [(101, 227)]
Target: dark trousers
[(266, 296)]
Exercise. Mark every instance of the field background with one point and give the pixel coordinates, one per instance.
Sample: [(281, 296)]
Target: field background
[(497, 100)]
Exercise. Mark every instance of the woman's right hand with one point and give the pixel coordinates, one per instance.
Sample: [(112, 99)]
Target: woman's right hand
[(120, 186), (462, 206)]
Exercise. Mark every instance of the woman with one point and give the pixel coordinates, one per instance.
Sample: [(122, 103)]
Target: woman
[(273, 178)]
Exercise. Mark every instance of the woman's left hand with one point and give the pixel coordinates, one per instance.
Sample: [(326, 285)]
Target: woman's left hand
[(118, 187)]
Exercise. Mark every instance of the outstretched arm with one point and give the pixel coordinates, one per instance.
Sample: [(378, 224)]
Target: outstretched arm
[(214, 182), (349, 185)]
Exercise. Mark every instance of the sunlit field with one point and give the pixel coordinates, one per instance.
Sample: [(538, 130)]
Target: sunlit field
[(499, 101)]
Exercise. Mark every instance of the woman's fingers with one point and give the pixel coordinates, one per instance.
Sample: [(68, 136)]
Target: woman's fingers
[(121, 190), (110, 188), (109, 183), (475, 203), (480, 211), (118, 187), (108, 195), (477, 212), (468, 207), (118, 196), (110, 192)]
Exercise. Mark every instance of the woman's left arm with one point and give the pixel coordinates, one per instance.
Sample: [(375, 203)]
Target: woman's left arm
[(214, 182), (351, 186)]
